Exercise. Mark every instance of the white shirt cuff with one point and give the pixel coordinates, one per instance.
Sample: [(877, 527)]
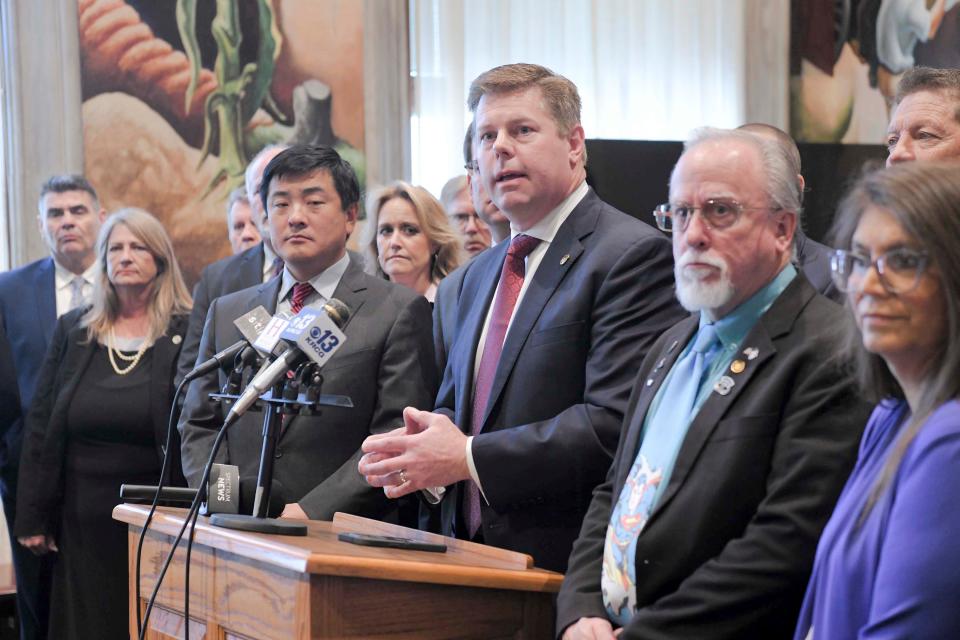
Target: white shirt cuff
[(473, 469)]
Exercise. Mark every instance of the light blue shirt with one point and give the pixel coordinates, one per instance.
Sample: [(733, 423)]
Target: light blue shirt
[(732, 330)]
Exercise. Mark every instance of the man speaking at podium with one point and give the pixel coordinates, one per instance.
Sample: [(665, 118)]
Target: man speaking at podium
[(311, 197)]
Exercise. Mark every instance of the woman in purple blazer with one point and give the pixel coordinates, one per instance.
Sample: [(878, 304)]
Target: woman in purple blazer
[(887, 563)]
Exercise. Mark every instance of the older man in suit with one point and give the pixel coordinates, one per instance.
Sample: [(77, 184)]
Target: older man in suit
[(311, 196), (741, 428), (549, 328), (31, 299), (250, 267)]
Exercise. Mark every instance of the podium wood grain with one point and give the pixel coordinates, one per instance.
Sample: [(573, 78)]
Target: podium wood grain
[(256, 586)]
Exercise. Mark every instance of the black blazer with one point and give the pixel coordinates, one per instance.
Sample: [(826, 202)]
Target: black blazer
[(601, 296), (230, 274), (69, 355), (728, 550)]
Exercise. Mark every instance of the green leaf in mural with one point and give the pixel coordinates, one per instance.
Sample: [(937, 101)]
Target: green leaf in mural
[(267, 51), (187, 25)]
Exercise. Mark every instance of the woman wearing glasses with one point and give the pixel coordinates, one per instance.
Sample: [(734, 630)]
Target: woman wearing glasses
[(886, 565)]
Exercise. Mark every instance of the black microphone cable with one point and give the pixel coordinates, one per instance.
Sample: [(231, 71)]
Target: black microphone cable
[(192, 514), (164, 469)]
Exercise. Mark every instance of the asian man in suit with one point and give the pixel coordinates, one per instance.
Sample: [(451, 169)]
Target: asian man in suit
[(311, 196), (31, 299), (740, 431), (550, 326)]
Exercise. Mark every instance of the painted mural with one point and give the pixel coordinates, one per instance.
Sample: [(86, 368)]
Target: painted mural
[(178, 95), (848, 55)]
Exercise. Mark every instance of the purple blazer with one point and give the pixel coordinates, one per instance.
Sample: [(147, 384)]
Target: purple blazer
[(896, 574)]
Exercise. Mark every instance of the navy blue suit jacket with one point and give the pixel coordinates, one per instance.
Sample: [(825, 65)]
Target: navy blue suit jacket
[(28, 313), (601, 296)]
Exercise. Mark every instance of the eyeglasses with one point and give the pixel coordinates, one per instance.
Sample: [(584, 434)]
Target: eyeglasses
[(717, 214), (470, 167), (899, 270)]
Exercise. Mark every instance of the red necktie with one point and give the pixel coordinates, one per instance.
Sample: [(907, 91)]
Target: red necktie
[(511, 281), (300, 292)]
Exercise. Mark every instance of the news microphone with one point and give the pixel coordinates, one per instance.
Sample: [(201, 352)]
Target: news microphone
[(312, 334), (251, 325), (183, 497)]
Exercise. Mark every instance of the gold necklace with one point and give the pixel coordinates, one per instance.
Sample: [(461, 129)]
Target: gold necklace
[(133, 360)]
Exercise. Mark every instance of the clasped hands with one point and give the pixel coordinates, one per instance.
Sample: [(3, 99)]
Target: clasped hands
[(427, 451)]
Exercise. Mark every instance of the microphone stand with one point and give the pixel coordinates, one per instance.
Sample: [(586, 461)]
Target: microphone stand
[(276, 403)]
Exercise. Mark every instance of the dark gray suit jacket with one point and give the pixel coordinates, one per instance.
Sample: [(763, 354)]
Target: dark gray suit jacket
[(230, 274), (728, 550), (601, 296), (386, 364), (445, 315), (813, 259)]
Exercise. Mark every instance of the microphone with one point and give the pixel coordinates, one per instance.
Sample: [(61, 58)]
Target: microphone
[(312, 334), (251, 325)]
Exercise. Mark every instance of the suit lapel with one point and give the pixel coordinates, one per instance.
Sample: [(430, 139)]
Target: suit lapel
[(351, 290), (45, 294), (650, 384), (777, 321), (561, 256), (251, 266)]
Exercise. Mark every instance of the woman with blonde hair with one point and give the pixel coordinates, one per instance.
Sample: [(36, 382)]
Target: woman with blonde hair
[(886, 563), (99, 420), (409, 239)]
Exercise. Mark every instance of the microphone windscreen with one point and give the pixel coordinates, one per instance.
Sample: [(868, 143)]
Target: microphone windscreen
[(338, 312)]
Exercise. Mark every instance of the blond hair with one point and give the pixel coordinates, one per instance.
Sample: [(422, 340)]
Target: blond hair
[(560, 95), (433, 222), (170, 293)]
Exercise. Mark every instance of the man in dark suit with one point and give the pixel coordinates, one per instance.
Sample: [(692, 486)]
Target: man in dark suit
[(31, 299), (812, 257), (311, 196), (253, 266), (527, 418), (740, 431)]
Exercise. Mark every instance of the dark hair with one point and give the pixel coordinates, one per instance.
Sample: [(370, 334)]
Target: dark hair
[(303, 159), (924, 198), (64, 183), (919, 79)]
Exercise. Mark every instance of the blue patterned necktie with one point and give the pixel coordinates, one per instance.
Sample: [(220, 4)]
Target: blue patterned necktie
[(661, 442)]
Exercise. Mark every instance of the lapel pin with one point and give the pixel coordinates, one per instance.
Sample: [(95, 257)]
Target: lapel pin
[(564, 259), (724, 385), (672, 346), (649, 381), (737, 366), (751, 353), (660, 364), (176, 339)]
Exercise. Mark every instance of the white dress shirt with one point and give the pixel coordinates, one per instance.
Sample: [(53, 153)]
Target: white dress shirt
[(62, 279)]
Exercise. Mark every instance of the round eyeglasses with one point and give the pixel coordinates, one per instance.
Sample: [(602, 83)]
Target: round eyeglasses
[(717, 214), (898, 270)]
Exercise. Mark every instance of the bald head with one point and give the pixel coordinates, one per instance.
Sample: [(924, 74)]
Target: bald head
[(786, 143)]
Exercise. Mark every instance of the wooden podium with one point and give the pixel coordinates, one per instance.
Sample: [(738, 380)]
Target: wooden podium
[(264, 587)]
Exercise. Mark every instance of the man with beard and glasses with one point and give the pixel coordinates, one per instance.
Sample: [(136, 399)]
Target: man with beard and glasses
[(741, 428)]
